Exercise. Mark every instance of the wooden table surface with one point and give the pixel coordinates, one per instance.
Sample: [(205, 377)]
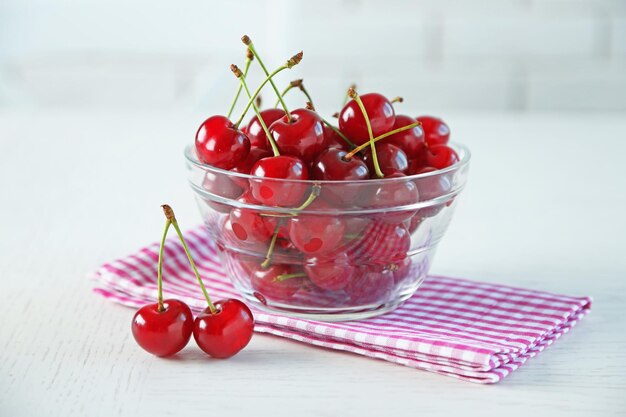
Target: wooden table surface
[(544, 209)]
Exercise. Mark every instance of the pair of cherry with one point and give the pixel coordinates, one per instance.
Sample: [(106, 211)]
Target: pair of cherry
[(165, 327)]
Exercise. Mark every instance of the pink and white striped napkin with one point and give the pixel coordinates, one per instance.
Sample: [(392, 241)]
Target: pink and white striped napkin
[(474, 331)]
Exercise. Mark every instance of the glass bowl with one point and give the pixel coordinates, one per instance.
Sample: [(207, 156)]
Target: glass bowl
[(359, 249)]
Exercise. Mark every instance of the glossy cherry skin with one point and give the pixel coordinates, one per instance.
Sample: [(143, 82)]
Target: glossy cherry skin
[(220, 144), (331, 165), (316, 234), (163, 333), (380, 112), (410, 141), (248, 225), (331, 272), (333, 140), (441, 156), (225, 333), (436, 131), (256, 134), (245, 166), (394, 194), (302, 137), (279, 193), (267, 284), (391, 159)]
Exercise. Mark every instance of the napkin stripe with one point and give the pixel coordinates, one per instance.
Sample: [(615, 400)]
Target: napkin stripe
[(473, 331)]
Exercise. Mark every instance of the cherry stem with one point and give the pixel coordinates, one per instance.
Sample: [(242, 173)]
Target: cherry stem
[(352, 93), (338, 132), (347, 96), (280, 98), (285, 277), (383, 136), (292, 84), (268, 134), (245, 72), (160, 307), (270, 250), (397, 100), (306, 93), (256, 93), (169, 213)]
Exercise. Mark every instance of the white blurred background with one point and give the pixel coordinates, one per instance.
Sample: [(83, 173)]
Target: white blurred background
[(441, 55)]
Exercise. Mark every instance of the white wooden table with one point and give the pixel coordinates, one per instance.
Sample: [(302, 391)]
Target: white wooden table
[(544, 209)]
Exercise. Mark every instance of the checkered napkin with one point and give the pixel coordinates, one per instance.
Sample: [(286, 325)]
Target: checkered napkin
[(474, 331)]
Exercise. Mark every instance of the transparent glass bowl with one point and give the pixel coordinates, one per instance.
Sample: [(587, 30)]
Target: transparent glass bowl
[(359, 250)]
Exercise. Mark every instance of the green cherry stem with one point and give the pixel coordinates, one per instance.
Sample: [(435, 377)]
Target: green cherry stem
[(347, 96), (242, 80), (249, 58), (354, 95), (383, 136), (291, 62), (268, 257), (160, 269), (397, 100), (169, 214), (248, 42), (270, 250), (292, 84), (285, 277)]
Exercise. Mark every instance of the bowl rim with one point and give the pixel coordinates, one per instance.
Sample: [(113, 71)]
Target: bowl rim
[(464, 159)]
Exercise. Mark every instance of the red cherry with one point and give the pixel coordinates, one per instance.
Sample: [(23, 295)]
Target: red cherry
[(441, 156), (245, 166), (220, 143), (256, 134), (379, 110), (279, 193), (390, 159), (163, 333), (394, 194), (330, 273), (410, 141), (303, 136), (223, 186), (316, 234), (431, 187), (369, 285), (268, 285), (248, 225), (230, 239), (331, 166), (333, 140), (436, 131), (226, 332)]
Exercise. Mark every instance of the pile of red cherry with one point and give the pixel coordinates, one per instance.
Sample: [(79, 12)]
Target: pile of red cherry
[(370, 142)]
